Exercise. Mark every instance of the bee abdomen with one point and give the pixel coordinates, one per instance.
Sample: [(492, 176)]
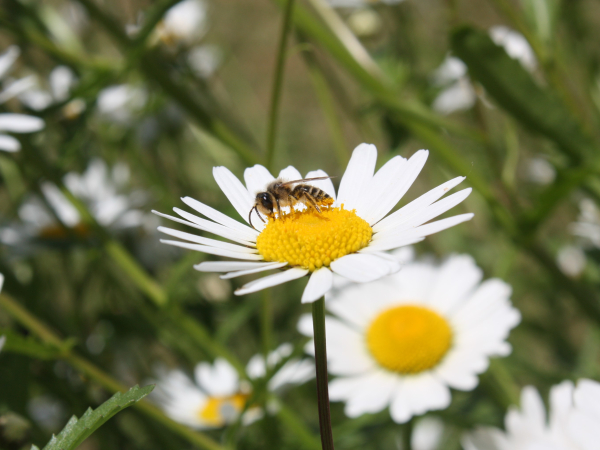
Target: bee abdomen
[(313, 191)]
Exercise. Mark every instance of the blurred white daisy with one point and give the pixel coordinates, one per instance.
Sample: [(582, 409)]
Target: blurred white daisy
[(349, 237), (406, 339), (540, 171), (458, 93), (61, 81), (572, 422), (571, 260), (103, 190), (217, 396), (121, 103), (184, 23), (11, 122), (587, 225)]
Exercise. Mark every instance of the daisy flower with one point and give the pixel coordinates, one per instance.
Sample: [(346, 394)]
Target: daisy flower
[(452, 75), (349, 237), (100, 188), (121, 103), (217, 396), (587, 225), (572, 423), (12, 122), (406, 339)]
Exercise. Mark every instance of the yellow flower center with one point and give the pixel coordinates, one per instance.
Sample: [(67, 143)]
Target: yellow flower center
[(311, 240), (219, 411), (409, 339)]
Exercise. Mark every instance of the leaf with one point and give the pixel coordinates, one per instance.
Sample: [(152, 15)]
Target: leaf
[(513, 88), (77, 430), (28, 346)]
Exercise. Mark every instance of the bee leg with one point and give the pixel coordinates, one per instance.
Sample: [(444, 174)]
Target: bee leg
[(311, 201), (278, 207)]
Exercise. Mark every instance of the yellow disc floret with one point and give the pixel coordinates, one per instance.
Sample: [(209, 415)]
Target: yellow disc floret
[(219, 411), (311, 240), (409, 339)]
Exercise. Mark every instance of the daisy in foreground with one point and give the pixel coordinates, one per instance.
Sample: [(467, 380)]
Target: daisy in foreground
[(404, 340), (349, 236), (572, 423), (218, 396)]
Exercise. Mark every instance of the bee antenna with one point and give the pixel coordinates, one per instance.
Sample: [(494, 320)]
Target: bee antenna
[(250, 217)]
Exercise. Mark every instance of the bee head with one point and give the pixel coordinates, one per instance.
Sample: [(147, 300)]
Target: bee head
[(264, 203)]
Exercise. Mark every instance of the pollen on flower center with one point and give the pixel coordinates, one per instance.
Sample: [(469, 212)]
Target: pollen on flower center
[(409, 339), (311, 240), (218, 411)]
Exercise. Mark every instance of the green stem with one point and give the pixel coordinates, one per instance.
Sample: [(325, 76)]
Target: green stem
[(42, 331), (136, 273), (266, 322), (318, 315), (278, 82), (407, 435)]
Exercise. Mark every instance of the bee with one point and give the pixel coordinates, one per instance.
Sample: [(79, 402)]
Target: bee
[(281, 193)]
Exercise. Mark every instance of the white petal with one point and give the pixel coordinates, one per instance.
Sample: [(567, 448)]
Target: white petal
[(373, 395), (379, 245), (397, 186), (20, 123), (219, 379), (2, 342), (319, 283), (456, 279), (7, 59), (235, 191), (290, 173), (357, 176), (61, 79), (325, 185), (257, 178), (206, 241), (383, 183), (397, 238), (419, 204), (212, 227), (271, 280), (361, 268), (240, 273), (9, 143), (229, 266), (561, 404), (214, 250), (218, 229), (221, 218)]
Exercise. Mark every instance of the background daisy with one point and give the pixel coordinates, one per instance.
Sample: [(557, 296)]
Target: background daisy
[(572, 422), (217, 395), (408, 338), (351, 242)]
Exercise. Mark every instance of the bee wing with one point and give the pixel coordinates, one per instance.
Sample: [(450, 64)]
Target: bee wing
[(304, 179)]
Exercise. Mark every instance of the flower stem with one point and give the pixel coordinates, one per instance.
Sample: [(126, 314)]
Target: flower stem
[(278, 81), (318, 314)]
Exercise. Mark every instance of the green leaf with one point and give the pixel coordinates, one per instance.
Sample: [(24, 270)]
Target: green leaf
[(28, 346), (77, 430), (513, 88)]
